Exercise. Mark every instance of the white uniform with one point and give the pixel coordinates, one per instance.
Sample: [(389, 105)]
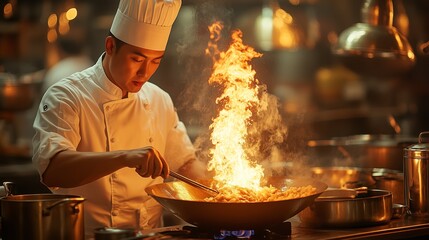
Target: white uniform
[(86, 112)]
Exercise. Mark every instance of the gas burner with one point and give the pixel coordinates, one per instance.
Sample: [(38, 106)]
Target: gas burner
[(225, 234), (282, 231)]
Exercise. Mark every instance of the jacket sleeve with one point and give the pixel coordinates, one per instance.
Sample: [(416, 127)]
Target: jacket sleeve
[(56, 126)]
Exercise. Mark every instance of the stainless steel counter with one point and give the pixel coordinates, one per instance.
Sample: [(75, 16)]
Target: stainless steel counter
[(405, 228)]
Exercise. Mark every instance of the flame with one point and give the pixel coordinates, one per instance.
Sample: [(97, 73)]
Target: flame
[(240, 96)]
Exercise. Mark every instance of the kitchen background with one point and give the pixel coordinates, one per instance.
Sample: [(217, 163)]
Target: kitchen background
[(320, 96)]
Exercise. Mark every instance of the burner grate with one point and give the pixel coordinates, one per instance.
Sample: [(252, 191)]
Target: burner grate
[(282, 231)]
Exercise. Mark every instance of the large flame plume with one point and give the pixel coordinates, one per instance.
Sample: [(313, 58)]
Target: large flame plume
[(238, 102)]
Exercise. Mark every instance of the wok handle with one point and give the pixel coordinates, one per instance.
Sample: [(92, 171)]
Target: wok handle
[(192, 182)]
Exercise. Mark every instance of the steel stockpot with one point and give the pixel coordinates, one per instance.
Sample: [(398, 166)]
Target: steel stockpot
[(373, 208), (416, 171), (42, 216), (353, 177)]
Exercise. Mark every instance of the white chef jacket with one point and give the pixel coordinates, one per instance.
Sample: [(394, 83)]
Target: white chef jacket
[(64, 68), (86, 112)]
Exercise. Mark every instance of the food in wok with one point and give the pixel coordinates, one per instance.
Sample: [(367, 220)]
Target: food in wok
[(264, 194), (188, 203)]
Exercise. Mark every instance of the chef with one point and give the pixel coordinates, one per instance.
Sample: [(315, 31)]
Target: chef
[(106, 133)]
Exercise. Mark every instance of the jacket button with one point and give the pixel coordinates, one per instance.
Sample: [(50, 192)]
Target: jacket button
[(146, 106), (115, 213), (150, 140), (112, 140)]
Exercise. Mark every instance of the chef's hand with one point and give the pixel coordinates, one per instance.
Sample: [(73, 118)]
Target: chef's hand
[(150, 163)]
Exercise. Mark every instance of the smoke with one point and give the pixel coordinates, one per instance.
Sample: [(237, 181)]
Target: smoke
[(197, 100), (267, 130)]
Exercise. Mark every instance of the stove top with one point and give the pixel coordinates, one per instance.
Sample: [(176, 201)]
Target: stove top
[(282, 231)]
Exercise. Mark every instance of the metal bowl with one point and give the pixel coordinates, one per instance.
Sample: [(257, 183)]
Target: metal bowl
[(373, 208)]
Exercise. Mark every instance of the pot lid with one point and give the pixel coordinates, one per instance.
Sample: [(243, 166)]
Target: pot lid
[(420, 150)]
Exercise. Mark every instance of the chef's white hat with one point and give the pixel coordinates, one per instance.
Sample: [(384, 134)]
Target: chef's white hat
[(145, 23)]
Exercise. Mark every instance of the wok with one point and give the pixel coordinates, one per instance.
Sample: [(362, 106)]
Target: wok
[(187, 202)]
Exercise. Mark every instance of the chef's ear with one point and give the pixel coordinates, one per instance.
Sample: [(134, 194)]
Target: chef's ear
[(109, 45)]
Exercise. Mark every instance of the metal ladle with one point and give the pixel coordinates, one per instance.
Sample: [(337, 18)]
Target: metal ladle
[(374, 47)]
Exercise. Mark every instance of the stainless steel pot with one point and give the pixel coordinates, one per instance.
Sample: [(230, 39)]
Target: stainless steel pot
[(364, 151), (187, 202), (416, 170), (369, 209), (390, 180), (373, 178), (42, 216)]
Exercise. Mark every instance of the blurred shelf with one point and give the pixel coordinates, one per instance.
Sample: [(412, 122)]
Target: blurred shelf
[(9, 28)]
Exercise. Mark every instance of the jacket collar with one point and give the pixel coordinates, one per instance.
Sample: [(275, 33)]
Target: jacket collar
[(104, 82)]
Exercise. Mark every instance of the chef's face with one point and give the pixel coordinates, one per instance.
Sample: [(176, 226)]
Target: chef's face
[(129, 67)]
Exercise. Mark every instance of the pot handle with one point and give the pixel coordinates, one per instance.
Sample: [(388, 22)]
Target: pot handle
[(47, 211), (7, 189), (421, 136)]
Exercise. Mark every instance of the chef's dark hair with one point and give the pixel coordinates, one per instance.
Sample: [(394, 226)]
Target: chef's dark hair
[(118, 43)]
